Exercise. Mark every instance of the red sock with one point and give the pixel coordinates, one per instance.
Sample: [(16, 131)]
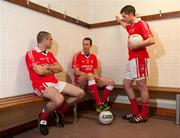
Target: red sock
[(43, 115), (145, 109), (94, 91), (106, 92), (63, 108), (134, 106)]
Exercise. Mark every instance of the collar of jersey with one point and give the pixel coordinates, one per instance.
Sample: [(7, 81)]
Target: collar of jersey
[(136, 21), (38, 50), (82, 53)]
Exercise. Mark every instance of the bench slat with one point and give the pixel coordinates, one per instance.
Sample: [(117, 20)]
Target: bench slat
[(16, 101), (155, 88)]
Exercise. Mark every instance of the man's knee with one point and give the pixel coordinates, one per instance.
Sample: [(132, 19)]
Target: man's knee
[(90, 76), (127, 85), (58, 100), (81, 94), (142, 87), (111, 82)]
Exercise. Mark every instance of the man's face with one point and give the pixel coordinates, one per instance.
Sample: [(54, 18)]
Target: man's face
[(86, 46), (48, 41), (127, 17)]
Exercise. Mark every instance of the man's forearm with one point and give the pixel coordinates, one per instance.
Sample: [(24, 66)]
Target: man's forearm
[(42, 70), (55, 68), (78, 73), (147, 42)]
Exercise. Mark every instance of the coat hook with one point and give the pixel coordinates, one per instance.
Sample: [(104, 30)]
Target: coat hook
[(78, 19), (27, 2), (48, 9), (160, 13), (137, 15), (65, 14)]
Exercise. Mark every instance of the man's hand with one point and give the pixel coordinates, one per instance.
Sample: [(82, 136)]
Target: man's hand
[(96, 77), (132, 46), (118, 20), (42, 70), (121, 21), (56, 67)]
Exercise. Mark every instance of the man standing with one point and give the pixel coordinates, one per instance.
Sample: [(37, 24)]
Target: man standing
[(42, 66), (85, 67), (137, 68)]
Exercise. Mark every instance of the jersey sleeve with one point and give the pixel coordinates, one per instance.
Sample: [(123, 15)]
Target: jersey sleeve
[(145, 30), (30, 60), (76, 61), (53, 59), (95, 62)]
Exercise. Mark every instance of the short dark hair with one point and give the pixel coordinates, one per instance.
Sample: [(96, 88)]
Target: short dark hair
[(41, 35), (87, 38), (128, 9)]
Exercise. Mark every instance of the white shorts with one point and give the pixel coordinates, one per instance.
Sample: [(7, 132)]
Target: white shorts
[(39, 89), (137, 69)]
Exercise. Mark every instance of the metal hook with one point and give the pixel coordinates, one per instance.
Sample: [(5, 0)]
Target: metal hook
[(27, 2), (48, 9), (160, 13), (65, 14), (78, 19), (137, 15)]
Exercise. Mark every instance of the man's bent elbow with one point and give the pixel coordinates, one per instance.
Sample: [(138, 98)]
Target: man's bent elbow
[(152, 41)]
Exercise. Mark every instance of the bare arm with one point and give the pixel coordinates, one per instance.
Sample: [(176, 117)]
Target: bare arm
[(96, 74), (120, 21), (42, 70), (77, 72), (56, 67)]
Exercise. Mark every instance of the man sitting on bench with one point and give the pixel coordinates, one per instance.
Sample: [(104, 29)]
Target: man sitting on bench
[(85, 67), (42, 66)]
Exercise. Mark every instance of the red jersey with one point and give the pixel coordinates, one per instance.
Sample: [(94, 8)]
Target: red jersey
[(36, 57), (85, 63), (141, 28)]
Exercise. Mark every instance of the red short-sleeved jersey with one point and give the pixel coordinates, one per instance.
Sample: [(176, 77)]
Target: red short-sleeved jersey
[(84, 63), (36, 57), (141, 28)]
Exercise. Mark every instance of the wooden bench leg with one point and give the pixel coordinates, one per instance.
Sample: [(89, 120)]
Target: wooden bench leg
[(177, 108), (75, 113)]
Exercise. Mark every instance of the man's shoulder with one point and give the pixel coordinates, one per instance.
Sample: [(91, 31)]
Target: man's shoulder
[(50, 53), (141, 23), (31, 51), (77, 54), (93, 55)]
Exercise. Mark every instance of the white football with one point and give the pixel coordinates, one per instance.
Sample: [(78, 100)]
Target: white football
[(105, 117), (135, 38)]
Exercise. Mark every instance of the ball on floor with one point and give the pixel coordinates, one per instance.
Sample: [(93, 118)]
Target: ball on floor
[(105, 117)]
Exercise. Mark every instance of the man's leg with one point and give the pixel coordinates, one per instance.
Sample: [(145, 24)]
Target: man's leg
[(75, 93), (127, 84), (56, 99), (142, 87), (143, 116), (83, 81), (109, 85), (89, 80), (142, 71)]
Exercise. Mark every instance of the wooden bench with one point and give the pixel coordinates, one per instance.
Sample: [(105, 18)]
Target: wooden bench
[(30, 99), (17, 101), (162, 90)]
